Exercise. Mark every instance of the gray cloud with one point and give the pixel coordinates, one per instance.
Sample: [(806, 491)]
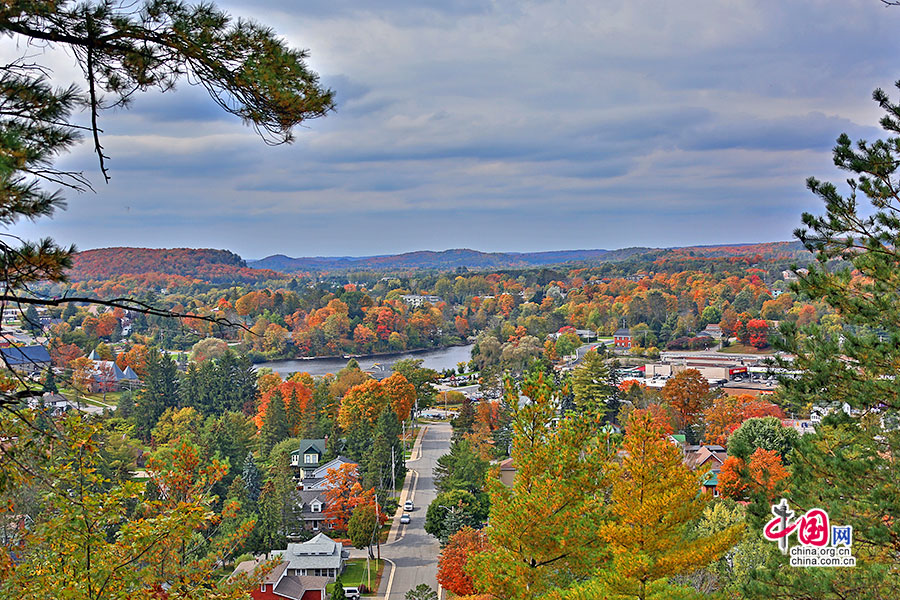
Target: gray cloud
[(507, 126)]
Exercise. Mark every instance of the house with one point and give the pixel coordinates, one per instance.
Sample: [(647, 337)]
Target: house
[(320, 557), (314, 479), (507, 472), (26, 359), (708, 459), (622, 338), (416, 300), (712, 330), (278, 584), (312, 509), (308, 457), (109, 377)]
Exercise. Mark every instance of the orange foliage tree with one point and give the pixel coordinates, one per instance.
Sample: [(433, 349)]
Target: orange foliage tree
[(400, 393), (296, 396), (763, 475), (343, 493), (452, 562), (688, 394)]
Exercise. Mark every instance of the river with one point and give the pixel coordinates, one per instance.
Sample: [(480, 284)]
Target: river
[(438, 360)]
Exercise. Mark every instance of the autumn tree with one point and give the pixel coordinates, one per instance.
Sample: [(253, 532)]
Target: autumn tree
[(155, 540), (688, 394), (654, 502), (343, 493), (545, 529), (454, 557)]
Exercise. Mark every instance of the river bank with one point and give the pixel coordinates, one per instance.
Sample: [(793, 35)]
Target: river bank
[(438, 359)]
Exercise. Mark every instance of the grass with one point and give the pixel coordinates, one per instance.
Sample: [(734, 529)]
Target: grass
[(355, 574), (744, 349)]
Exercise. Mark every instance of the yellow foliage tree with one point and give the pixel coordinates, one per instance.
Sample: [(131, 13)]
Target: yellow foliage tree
[(655, 499)]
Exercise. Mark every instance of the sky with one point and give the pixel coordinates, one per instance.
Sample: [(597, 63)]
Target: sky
[(502, 126)]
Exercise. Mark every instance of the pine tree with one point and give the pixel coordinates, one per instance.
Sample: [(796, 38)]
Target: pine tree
[(590, 385), (160, 392), (849, 467), (275, 424), (252, 478)]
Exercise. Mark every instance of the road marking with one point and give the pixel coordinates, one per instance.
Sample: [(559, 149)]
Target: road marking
[(387, 592)]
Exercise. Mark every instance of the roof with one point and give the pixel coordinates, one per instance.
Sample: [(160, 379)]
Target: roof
[(715, 455), (294, 586), (317, 445), (321, 552), (129, 374), (507, 465), (23, 355), (249, 566), (622, 332)]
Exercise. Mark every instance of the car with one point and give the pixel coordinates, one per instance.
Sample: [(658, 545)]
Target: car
[(408, 505), (352, 593), (404, 519)]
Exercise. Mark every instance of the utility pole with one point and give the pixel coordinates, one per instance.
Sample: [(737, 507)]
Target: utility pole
[(393, 473), (377, 539)]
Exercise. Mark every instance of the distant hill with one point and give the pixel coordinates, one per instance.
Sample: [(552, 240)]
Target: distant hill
[(473, 259), (446, 259), (215, 266)]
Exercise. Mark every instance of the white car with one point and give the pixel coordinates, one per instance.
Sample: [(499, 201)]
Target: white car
[(352, 593), (408, 505), (404, 519)]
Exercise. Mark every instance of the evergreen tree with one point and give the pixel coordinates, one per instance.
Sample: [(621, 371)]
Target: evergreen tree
[(337, 592), (590, 384), (31, 320), (48, 382), (125, 408), (849, 467), (275, 424), (460, 469), (252, 478), (160, 392)]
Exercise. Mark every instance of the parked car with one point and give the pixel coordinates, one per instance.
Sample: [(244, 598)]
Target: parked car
[(352, 593), (404, 519), (408, 505)]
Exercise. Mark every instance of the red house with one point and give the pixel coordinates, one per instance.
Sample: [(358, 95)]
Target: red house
[(278, 585), (622, 338)]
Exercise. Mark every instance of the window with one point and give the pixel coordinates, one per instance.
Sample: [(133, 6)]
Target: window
[(315, 507), (310, 459)]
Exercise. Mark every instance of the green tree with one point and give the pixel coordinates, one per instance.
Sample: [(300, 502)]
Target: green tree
[(160, 392), (252, 478), (337, 591), (420, 377), (452, 510), (590, 385), (275, 425), (849, 466), (362, 526), (421, 592), (767, 433), (460, 469)]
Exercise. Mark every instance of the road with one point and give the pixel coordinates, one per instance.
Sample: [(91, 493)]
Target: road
[(414, 553)]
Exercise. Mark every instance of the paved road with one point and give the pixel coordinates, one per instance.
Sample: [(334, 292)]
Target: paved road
[(415, 553)]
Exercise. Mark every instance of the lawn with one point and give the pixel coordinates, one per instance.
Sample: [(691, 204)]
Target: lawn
[(355, 574), (744, 349)]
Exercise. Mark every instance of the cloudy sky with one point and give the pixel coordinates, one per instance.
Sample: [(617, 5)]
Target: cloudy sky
[(527, 125)]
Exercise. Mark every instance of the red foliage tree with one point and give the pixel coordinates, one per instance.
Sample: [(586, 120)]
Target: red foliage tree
[(452, 562)]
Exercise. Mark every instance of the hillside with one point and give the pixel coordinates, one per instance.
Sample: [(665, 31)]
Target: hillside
[(215, 266), (473, 259)]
